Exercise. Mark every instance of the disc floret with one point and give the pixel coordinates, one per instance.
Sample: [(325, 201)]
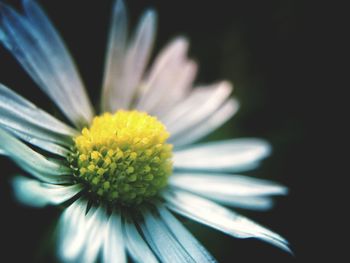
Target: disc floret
[(123, 157)]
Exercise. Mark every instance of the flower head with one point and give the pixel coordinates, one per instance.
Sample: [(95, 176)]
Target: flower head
[(119, 173), (123, 158)]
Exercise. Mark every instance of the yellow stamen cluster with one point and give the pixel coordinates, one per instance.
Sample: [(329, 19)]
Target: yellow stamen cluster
[(123, 157)]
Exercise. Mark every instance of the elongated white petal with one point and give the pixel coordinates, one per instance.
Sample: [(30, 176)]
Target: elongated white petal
[(197, 108), (35, 136), (41, 143), (60, 59), (37, 46), (24, 120), (34, 193), (113, 244), (115, 58), (185, 238), (226, 184), (2, 152), (218, 118), (182, 82), (138, 55), (226, 155), (136, 245), (165, 75), (220, 218), (50, 171), (232, 190), (257, 203), (72, 231), (196, 97), (163, 243), (124, 88), (24, 110), (96, 221)]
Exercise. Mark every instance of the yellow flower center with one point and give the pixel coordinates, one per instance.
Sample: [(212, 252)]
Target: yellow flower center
[(123, 157)]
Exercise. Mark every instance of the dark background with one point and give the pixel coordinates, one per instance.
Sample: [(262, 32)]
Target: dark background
[(261, 46)]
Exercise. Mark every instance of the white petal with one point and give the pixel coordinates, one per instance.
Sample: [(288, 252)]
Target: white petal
[(41, 143), (3, 38), (135, 61), (136, 245), (217, 119), (194, 99), (185, 238), (37, 46), (182, 82), (24, 120), (61, 59), (138, 55), (34, 193), (113, 246), (257, 203), (197, 108), (25, 111), (227, 155), (115, 57), (167, 74), (50, 171), (72, 231), (220, 218), (226, 184), (163, 73), (33, 136), (95, 228), (163, 243), (232, 190)]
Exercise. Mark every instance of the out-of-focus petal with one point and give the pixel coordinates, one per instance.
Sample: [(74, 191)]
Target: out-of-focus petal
[(37, 46), (34, 193), (214, 121), (182, 84), (72, 231), (200, 105), (169, 78), (115, 57), (95, 228), (123, 86)]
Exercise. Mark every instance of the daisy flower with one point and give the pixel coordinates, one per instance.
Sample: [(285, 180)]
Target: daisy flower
[(121, 173)]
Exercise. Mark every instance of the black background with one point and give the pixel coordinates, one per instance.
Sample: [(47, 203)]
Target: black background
[(261, 46)]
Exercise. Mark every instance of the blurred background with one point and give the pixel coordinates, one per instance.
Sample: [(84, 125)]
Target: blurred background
[(259, 46)]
